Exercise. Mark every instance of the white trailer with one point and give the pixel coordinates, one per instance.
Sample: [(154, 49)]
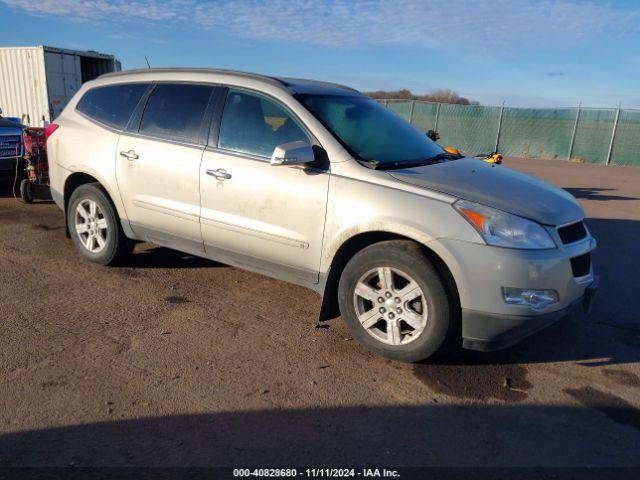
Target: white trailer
[(37, 82)]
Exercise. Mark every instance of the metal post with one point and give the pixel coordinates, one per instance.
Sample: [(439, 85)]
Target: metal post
[(573, 134), (499, 128), (613, 135), (435, 127), (413, 105)]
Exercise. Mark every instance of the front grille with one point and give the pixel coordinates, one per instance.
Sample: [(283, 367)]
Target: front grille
[(10, 146), (581, 265), (572, 233)]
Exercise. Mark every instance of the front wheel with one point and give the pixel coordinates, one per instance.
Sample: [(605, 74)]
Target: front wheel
[(394, 302), (95, 227)]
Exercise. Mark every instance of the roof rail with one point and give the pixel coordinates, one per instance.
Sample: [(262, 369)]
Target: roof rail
[(291, 82), (272, 80)]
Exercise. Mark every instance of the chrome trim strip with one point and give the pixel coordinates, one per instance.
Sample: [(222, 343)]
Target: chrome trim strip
[(232, 153), (585, 280), (198, 146), (586, 239), (569, 223)]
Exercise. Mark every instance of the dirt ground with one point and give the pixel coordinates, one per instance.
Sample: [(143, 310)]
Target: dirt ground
[(173, 360)]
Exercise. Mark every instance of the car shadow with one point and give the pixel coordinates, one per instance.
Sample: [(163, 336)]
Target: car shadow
[(7, 191), (592, 193), (616, 261), (393, 436), (161, 257)]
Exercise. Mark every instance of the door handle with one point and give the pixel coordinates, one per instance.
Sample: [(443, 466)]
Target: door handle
[(220, 174), (130, 155)]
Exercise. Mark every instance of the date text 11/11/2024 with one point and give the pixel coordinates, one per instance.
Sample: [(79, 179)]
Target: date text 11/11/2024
[(316, 473)]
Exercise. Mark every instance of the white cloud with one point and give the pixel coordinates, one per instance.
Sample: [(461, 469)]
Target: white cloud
[(445, 24)]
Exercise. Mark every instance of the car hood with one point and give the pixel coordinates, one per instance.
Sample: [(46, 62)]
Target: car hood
[(9, 127), (496, 186)]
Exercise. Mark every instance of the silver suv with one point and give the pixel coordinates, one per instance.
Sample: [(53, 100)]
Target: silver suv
[(317, 184)]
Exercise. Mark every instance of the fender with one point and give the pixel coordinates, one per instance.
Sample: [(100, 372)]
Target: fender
[(387, 227), (86, 171), (348, 242)]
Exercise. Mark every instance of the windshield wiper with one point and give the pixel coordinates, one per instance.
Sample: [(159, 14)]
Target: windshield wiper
[(372, 164), (446, 156), (439, 158)]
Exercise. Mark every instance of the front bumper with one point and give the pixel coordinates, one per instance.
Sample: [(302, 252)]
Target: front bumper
[(8, 165), (487, 331)]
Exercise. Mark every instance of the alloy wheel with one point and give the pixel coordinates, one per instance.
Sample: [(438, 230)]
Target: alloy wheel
[(390, 306), (91, 226)]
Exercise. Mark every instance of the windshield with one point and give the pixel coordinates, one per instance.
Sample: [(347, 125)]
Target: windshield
[(369, 131)]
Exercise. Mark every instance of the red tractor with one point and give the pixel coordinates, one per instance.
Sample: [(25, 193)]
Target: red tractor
[(36, 168)]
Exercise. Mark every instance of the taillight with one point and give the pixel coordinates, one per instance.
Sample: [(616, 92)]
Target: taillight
[(52, 127)]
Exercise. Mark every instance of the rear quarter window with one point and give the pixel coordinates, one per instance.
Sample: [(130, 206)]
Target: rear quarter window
[(113, 104)]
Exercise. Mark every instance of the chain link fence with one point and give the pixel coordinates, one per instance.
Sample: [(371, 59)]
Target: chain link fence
[(604, 136)]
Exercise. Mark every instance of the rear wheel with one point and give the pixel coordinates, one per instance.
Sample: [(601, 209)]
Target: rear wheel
[(394, 301), (95, 227)]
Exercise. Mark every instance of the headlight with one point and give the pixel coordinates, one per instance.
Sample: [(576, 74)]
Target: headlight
[(504, 229)]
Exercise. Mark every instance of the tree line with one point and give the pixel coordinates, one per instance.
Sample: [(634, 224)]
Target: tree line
[(443, 95)]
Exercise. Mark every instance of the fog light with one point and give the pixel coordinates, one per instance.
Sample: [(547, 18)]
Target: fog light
[(536, 299)]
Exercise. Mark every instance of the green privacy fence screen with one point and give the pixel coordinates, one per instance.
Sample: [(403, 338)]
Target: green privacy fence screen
[(626, 143), (604, 136)]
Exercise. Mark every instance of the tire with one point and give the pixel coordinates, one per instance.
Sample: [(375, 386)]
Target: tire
[(26, 191), (113, 245), (415, 332)]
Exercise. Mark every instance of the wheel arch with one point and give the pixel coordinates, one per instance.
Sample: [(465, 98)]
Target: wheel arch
[(77, 179), (329, 308)]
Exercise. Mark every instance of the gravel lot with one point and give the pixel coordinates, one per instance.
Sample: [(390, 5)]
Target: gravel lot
[(174, 360)]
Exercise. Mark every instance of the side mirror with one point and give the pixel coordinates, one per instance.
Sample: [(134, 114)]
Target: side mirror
[(292, 153)]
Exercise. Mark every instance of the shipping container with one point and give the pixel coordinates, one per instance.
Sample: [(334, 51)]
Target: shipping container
[(37, 82)]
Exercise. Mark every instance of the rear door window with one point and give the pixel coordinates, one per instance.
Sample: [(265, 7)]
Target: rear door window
[(256, 125), (113, 104), (176, 111)]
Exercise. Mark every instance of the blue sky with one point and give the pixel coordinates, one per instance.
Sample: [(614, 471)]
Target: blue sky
[(522, 52)]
